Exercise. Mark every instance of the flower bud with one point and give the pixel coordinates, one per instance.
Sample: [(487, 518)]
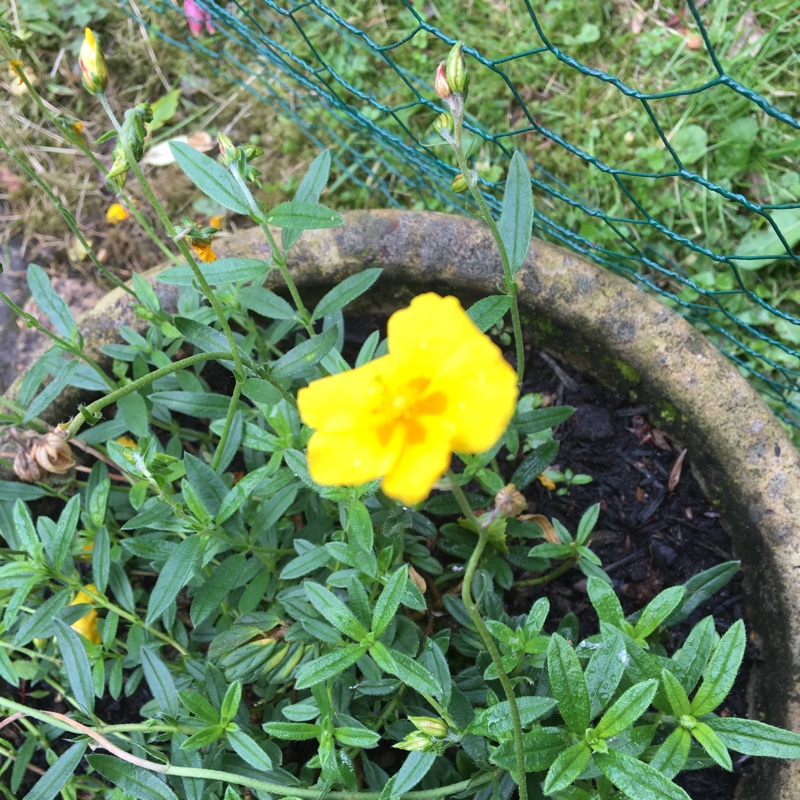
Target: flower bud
[(442, 122), (456, 69), (228, 152), (416, 740), (459, 184), (93, 65), (509, 501), (437, 728), (440, 83)]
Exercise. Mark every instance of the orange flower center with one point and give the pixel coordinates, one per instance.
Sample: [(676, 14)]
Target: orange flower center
[(404, 405)]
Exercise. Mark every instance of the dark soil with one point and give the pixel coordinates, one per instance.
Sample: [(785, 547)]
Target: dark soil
[(648, 537)]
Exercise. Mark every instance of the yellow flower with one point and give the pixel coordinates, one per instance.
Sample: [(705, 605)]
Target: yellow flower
[(547, 481), (87, 624), (93, 64), (217, 221), (116, 213), (443, 387), (203, 250)]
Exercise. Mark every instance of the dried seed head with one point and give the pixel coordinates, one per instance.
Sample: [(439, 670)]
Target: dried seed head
[(52, 453), (509, 501)]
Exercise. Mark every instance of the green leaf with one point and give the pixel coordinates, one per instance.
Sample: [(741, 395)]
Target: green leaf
[(568, 684), (359, 527), (335, 611), (587, 523), (414, 769), (203, 405), (657, 610), (357, 737), (62, 379), (174, 575), (536, 462), (627, 709), (761, 247), (40, 623), (219, 272), (329, 665), (65, 532), (56, 777), (76, 664), (164, 109), (139, 782), (541, 749), (488, 311), (305, 563), (53, 306), (248, 749), (345, 292), (541, 419), (690, 143), (712, 744), (230, 703), (293, 731), (605, 602), (567, 767), (755, 738), (306, 354), (670, 758), (721, 670), (389, 600), (700, 587), (203, 738), (261, 391), (199, 707), (636, 778), (604, 672), (223, 579), (496, 720), (732, 153), (690, 661), (134, 413), (210, 177), (304, 216), (516, 218), (266, 303), (309, 191), (405, 668), (678, 699), (159, 679), (193, 788), (204, 337), (10, 491)]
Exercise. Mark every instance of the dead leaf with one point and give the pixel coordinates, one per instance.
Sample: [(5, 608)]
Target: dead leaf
[(417, 580), (160, 155), (660, 439), (641, 495), (548, 531), (750, 35), (675, 474)]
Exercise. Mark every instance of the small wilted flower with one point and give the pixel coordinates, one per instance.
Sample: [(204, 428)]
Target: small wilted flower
[(116, 213), (197, 18), (203, 250), (440, 83), (547, 481), (200, 238), (40, 456), (459, 184), (509, 501), (456, 69), (93, 64)]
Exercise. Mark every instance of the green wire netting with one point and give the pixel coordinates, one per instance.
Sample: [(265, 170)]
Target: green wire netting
[(358, 80)]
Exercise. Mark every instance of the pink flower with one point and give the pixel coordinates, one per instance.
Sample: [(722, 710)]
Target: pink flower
[(197, 17)]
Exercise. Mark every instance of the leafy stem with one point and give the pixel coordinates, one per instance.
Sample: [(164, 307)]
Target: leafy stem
[(483, 631)]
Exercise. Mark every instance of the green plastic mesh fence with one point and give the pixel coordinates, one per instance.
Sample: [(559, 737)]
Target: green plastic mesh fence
[(668, 168)]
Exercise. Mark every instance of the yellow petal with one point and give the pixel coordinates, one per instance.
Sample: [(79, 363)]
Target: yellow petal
[(424, 459), (481, 389), (345, 401), (352, 457), (426, 334), (87, 627)]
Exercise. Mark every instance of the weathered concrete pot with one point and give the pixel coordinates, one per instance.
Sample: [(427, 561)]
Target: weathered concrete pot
[(608, 327)]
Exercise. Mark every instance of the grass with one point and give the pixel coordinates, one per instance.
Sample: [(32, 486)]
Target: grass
[(521, 97)]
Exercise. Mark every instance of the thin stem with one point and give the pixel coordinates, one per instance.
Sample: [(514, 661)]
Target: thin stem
[(483, 631), (223, 437), (508, 277), (76, 423), (551, 576)]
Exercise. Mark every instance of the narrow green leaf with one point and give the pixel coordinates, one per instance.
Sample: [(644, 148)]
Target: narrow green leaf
[(755, 738), (345, 292), (414, 769), (713, 745), (204, 337), (199, 707), (174, 575), (670, 758), (488, 311), (636, 778), (690, 661), (389, 600), (218, 273), (40, 623), (359, 527), (675, 693), (266, 303), (536, 462), (210, 177), (62, 379), (587, 523), (405, 668), (604, 672), (293, 731), (65, 531), (496, 720), (56, 777), (261, 391), (203, 405), (627, 709), (357, 737), (568, 684), (540, 419), (231, 702), (305, 355), (700, 587), (53, 306), (329, 665), (159, 679), (223, 579), (248, 749), (658, 609), (304, 216), (335, 611), (194, 788), (516, 218), (76, 664), (721, 670), (566, 768), (139, 782), (605, 602), (309, 191)]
